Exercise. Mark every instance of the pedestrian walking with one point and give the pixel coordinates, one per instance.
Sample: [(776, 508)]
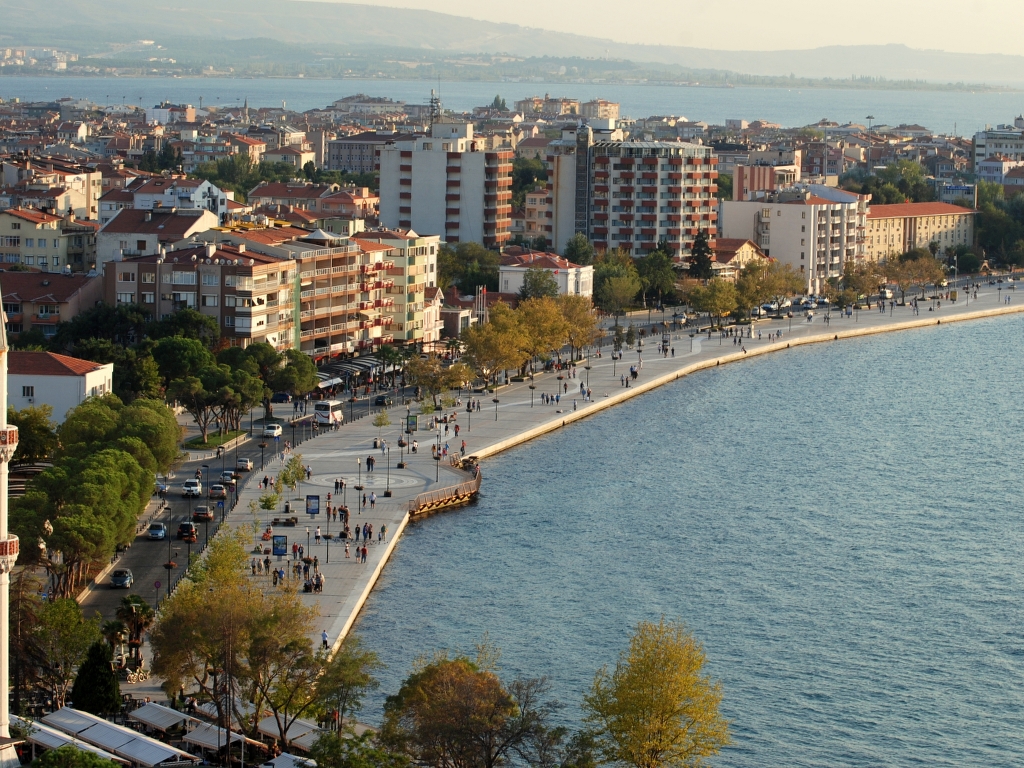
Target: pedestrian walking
[(323, 637), (295, 550), (364, 501), (254, 566), (384, 533), (364, 553), (266, 564), (463, 447)]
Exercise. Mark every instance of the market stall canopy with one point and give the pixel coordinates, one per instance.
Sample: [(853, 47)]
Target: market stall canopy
[(286, 760), (139, 749), (158, 716), (50, 738)]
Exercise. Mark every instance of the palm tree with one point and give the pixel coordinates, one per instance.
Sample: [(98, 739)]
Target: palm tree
[(137, 616)]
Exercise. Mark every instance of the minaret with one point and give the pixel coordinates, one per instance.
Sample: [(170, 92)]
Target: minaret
[(8, 555)]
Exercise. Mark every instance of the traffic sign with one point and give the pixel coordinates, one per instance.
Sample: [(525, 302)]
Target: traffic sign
[(156, 585)]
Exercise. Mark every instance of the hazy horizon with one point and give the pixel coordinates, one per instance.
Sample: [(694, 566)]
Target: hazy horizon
[(988, 26)]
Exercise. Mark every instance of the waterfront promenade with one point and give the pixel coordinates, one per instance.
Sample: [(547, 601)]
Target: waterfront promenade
[(512, 421)]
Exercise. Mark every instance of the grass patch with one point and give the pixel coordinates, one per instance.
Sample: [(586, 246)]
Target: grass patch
[(215, 440)]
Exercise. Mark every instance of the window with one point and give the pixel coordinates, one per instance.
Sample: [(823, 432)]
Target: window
[(126, 298), (803, 228), (209, 300), (42, 261), (30, 242), (184, 278), (229, 281), (56, 243), (126, 277), (16, 225), (229, 301), (30, 260), (149, 298), (12, 309), (209, 278), (229, 321), (148, 277), (140, 245), (11, 242), (28, 391)]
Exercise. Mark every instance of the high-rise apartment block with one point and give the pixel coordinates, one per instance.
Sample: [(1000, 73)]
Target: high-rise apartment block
[(631, 195), (446, 184)]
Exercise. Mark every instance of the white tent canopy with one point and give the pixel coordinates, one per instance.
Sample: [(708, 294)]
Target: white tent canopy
[(50, 738), (209, 736), (139, 749), (268, 727), (286, 760), (158, 716)]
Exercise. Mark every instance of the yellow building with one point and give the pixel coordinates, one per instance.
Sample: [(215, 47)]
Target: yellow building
[(896, 229)]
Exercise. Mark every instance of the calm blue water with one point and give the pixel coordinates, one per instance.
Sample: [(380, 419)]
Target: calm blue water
[(941, 111), (840, 525)]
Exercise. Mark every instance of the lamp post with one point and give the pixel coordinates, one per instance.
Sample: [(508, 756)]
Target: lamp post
[(359, 475), (387, 453), (437, 458), (469, 416), (692, 334), (532, 388), (263, 445), (293, 433), (307, 538), (495, 409)]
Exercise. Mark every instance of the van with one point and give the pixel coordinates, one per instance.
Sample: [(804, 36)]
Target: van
[(885, 293)]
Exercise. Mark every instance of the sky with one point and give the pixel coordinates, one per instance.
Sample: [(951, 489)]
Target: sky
[(965, 26)]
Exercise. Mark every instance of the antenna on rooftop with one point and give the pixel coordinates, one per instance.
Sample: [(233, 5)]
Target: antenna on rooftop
[(436, 108)]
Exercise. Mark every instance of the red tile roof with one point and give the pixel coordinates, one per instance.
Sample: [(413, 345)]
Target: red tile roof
[(48, 364), (32, 215), (168, 223), (908, 210), (48, 287), (517, 257)]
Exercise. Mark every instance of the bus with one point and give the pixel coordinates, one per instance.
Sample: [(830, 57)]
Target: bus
[(329, 412)]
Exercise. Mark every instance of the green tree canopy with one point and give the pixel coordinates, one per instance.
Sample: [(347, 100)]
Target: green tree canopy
[(96, 689), (64, 636), (71, 757), (700, 258), (578, 250), (537, 283), (467, 265), (37, 435)]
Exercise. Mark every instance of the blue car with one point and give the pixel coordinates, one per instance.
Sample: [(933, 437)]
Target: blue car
[(122, 579)]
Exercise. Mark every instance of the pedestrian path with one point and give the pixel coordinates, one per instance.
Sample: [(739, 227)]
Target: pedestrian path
[(518, 415)]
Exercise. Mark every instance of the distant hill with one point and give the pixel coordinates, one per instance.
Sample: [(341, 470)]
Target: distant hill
[(95, 23)]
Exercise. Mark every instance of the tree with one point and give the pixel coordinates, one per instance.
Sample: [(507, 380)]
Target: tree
[(64, 636), (25, 647), (718, 298), (538, 283), (581, 327), (337, 750), (69, 756), (457, 713), (656, 274), (179, 357), (657, 708), (346, 677), (526, 173), (700, 257), (200, 402), (137, 616), (496, 345), (96, 689), (380, 421), (136, 373), (296, 376), (467, 265), (188, 324), (617, 293), (37, 436), (578, 250), (724, 186), (499, 104), (543, 325)]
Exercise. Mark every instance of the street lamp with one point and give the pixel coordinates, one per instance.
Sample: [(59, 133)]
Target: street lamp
[(263, 445), (359, 474), (469, 416), (387, 453), (307, 538), (692, 334), (437, 458), (532, 388), (495, 409)]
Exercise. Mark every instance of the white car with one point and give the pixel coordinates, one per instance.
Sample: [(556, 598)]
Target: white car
[(192, 488), (243, 465), (809, 304), (272, 430)]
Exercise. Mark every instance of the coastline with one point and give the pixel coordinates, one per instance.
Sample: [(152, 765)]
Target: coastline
[(349, 584)]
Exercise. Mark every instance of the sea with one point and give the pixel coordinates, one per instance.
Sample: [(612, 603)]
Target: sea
[(961, 112), (841, 527)]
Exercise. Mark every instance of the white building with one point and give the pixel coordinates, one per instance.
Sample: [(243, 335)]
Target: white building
[(183, 194), (572, 279), (63, 383), (815, 229), (1006, 140), (446, 184)]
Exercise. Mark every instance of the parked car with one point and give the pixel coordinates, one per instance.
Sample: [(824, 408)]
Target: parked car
[(187, 532), (157, 532), (383, 400), (243, 465), (281, 397), (272, 430), (122, 578), (809, 304), (201, 513), (192, 487)]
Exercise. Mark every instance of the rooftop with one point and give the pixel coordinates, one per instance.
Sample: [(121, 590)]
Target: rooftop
[(168, 223), (47, 287), (907, 210), (25, 363)]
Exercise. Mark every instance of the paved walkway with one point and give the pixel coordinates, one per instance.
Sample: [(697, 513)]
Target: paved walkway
[(515, 419)]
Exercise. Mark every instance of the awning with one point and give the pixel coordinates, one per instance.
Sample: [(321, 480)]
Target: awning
[(268, 727), (158, 716), (50, 738), (285, 760), (211, 736), (139, 749)]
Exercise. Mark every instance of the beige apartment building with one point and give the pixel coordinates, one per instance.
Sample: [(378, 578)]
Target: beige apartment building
[(33, 238), (896, 229), (414, 275)]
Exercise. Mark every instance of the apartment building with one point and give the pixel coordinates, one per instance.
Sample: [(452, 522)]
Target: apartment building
[(547, 105), (896, 229), (599, 109), (183, 194), (33, 238), (630, 194), (360, 153), (572, 279), (41, 300), (414, 275), (538, 215), (300, 194), (336, 289), (444, 184), (134, 232), (752, 181), (817, 230), (1006, 140)]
